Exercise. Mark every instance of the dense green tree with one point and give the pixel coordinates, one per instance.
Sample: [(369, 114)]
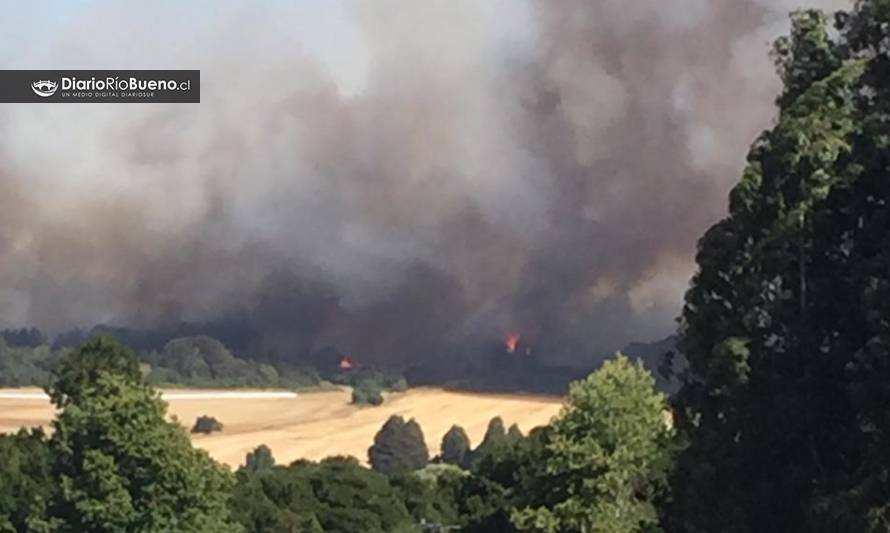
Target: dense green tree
[(203, 361), (26, 366), (495, 435), (481, 505), (335, 495), (76, 373), (259, 459), (494, 442), (26, 484), (506, 462), (120, 466), (398, 447), (273, 501), (421, 491), (455, 446), (785, 326), (607, 456)]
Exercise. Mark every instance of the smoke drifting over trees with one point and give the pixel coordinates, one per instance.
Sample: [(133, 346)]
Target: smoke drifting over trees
[(450, 170)]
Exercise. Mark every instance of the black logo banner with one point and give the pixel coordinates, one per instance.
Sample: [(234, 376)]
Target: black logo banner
[(80, 86)]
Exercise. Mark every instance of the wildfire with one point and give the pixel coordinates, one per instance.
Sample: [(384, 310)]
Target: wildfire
[(346, 363), (511, 342)]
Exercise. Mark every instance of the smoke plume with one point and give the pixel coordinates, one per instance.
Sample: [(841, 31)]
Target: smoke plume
[(388, 176)]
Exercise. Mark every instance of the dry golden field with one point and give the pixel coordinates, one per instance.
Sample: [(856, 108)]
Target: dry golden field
[(319, 424)]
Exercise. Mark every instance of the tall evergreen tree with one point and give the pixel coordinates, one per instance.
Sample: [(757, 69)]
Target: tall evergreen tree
[(259, 459), (398, 447), (785, 326), (494, 442), (455, 445)]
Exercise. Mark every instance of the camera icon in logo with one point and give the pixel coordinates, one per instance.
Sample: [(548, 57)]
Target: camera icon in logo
[(44, 88)]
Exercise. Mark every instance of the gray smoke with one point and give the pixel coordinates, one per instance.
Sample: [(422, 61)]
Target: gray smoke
[(441, 170)]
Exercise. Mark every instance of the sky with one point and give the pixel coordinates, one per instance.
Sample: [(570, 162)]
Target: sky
[(44, 33)]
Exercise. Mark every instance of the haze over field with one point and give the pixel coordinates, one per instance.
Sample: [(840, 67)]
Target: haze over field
[(317, 425), (392, 177)]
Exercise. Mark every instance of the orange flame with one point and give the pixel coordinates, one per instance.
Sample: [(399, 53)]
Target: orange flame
[(346, 363), (511, 342)]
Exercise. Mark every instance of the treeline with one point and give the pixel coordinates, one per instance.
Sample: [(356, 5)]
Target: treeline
[(27, 358), (25, 366), (191, 361), (206, 362)]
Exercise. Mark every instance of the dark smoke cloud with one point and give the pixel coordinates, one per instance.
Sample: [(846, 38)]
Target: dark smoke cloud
[(536, 167)]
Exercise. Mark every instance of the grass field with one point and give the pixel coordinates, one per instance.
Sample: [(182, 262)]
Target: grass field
[(314, 425)]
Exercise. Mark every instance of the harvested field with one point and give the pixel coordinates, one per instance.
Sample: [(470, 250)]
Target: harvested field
[(312, 425)]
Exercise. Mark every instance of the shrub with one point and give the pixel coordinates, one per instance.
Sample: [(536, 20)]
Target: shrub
[(367, 392), (206, 424)]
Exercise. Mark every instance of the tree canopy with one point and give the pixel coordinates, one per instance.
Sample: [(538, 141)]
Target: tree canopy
[(785, 326), (113, 462), (606, 457), (399, 446), (26, 483), (336, 494), (455, 446)]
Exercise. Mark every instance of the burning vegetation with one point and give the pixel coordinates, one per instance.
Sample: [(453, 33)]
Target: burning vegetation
[(511, 343)]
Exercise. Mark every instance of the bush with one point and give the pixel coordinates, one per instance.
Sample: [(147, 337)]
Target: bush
[(367, 392), (206, 424)]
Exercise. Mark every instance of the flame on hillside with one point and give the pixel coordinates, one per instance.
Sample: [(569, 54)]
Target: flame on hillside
[(511, 342)]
